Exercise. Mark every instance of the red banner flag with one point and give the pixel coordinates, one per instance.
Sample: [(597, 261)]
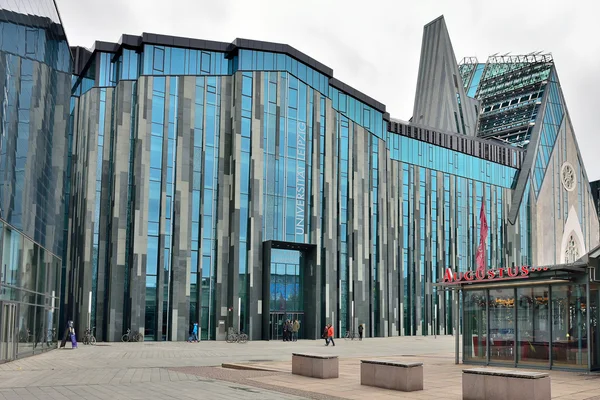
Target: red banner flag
[(480, 256)]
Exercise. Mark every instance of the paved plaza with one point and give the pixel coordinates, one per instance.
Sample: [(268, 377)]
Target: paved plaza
[(176, 370)]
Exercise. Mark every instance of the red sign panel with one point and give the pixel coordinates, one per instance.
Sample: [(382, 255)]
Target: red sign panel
[(490, 275)]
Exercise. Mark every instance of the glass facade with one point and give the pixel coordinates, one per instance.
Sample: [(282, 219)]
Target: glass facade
[(553, 119), (291, 167), (35, 82), (234, 145), (542, 325), (510, 89), (29, 296)]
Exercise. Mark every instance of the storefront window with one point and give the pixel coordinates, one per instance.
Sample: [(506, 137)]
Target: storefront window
[(502, 324), (594, 332), (569, 331), (475, 325), (533, 325)]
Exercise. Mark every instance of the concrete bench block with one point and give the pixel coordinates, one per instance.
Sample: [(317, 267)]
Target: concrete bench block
[(490, 384), (315, 366), (402, 376)]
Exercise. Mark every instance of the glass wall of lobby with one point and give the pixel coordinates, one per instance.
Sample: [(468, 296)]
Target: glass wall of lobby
[(286, 300), (29, 290), (548, 326)]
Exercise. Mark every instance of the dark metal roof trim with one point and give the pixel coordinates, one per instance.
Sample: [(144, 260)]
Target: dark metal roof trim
[(357, 95), (135, 42)]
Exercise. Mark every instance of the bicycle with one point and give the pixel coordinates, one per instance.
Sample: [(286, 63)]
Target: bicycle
[(25, 336), (88, 337), (350, 335), (233, 337), (132, 336)]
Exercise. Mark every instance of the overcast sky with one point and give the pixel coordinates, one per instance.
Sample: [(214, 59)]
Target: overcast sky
[(374, 45)]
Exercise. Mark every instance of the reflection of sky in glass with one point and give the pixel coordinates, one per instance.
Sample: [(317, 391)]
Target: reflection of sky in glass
[(40, 8), (285, 286)]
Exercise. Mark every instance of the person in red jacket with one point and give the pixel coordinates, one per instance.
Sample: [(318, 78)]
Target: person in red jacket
[(330, 335)]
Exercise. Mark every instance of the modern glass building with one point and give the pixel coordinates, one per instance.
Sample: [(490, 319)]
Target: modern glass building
[(241, 184), (237, 184), (35, 83)]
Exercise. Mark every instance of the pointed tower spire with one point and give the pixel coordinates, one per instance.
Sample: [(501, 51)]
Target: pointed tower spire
[(441, 102)]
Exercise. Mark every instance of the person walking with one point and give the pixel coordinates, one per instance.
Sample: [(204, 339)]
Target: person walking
[(330, 334), (72, 335), (195, 332), (360, 331), (325, 334), (295, 329), (286, 327)]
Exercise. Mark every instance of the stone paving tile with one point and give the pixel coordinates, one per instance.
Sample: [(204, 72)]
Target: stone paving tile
[(168, 370), (244, 377)]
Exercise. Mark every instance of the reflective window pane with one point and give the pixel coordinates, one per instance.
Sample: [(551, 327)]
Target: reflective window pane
[(533, 325)]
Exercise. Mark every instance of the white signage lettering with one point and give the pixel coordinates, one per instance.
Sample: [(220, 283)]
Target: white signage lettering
[(300, 177)]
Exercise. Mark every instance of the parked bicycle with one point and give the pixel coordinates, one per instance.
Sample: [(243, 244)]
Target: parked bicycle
[(350, 335), (51, 337), (25, 336), (88, 337), (236, 337), (132, 336)]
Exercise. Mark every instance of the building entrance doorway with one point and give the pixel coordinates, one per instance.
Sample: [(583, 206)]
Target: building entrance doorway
[(289, 289), (286, 300), (8, 330), (277, 322)]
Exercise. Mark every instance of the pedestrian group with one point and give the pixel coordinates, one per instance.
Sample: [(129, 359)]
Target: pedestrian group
[(290, 330)]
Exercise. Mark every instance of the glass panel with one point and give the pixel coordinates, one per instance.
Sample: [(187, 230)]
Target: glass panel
[(25, 327), (151, 312), (594, 332), (502, 324), (475, 325), (533, 326), (569, 331)]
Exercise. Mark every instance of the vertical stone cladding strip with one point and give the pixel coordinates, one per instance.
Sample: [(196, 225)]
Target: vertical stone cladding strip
[(188, 126), (141, 176), (102, 287), (313, 273), (113, 324), (401, 266), (233, 282), (87, 220), (225, 179), (416, 265), (331, 193), (395, 249), (427, 272), (354, 226), (255, 209), (382, 232), (354, 180), (390, 184), (181, 212), (349, 323), (367, 241), (162, 276), (441, 317)]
